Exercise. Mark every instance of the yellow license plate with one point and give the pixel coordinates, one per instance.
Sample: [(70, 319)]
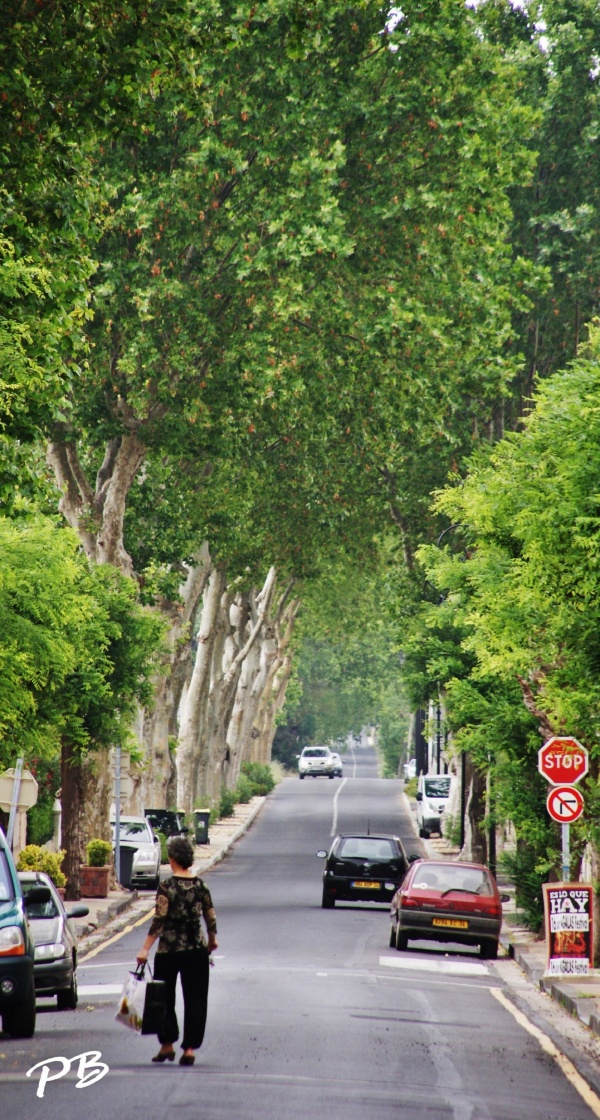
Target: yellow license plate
[(450, 923), (366, 884)]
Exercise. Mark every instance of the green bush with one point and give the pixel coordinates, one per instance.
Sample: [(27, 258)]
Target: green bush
[(40, 821), (260, 776), (98, 853), (244, 791), (227, 803), (35, 858), (164, 855), (410, 788)]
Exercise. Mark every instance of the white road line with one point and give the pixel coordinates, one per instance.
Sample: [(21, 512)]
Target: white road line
[(335, 806), (99, 989), (547, 1045), (445, 968)]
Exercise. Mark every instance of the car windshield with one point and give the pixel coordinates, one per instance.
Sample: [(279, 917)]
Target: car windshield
[(437, 787), (446, 877), (6, 886), (316, 752), (47, 909), (135, 830), (366, 847)]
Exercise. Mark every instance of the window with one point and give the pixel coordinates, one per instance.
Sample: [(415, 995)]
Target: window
[(366, 847), (437, 787), (6, 886)]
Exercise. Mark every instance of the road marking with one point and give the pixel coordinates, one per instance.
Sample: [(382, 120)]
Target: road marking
[(99, 989), (546, 1043), (447, 968), (335, 806), (117, 937), (111, 964)]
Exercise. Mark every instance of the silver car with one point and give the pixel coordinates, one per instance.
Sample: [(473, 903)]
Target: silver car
[(136, 832), (55, 939), (316, 760)]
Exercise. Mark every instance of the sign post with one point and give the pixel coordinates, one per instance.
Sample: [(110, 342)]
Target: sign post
[(18, 792), (564, 761)]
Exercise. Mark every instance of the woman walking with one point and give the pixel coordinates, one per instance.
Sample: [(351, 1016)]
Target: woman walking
[(181, 901)]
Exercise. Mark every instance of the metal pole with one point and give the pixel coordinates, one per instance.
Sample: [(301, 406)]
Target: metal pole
[(118, 812), (463, 797), (492, 826), (566, 855), (439, 737), (14, 800)]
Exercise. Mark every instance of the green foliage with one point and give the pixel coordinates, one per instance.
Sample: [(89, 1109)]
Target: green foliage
[(410, 788), (164, 854), (34, 858), (227, 803), (40, 821), (244, 791), (98, 853), (260, 777)]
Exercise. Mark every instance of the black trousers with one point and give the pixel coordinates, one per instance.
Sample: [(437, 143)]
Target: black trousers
[(192, 966)]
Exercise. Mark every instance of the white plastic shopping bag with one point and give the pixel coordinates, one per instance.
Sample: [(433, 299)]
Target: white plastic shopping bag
[(130, 1010)]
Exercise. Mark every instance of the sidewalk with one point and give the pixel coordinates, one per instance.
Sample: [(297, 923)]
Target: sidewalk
[(222, 836), (579, 995)]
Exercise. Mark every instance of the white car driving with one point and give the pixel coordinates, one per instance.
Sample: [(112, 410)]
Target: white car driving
[(315, 761)]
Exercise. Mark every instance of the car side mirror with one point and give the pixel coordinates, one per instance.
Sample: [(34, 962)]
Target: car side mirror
[(505, 898), (322, 854), (412, 857), (78, 912), (419, 796), (37, 894)]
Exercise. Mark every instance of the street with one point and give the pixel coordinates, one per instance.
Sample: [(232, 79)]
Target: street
[(311, 1014)]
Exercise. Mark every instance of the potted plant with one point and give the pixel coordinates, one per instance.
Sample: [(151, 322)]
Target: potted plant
[(94, 876), (35, 858)]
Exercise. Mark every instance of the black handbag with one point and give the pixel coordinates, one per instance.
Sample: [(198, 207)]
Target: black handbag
[(154, 1006)]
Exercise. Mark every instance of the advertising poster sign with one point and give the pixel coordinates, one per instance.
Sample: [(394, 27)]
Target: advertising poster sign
[(568, 909)]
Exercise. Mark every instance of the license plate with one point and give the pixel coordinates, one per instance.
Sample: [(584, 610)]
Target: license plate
[(450, 923), (365, 884)]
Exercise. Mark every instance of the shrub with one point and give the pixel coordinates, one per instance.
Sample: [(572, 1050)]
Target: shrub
[(261, 777), (244, 791), (35, 858), (227, 803), (98, 852), (40, 821), (164, 855), (410, 787)]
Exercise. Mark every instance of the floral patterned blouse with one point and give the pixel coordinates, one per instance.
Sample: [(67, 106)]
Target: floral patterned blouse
[(180, 904)]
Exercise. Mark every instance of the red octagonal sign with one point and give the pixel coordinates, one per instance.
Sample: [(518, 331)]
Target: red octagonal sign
[(563, 761)]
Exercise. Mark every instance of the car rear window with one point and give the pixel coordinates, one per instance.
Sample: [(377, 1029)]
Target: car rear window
[(7, 892), (316, 752), (366, 847), (47, 909), (437, 787), (452, 876)]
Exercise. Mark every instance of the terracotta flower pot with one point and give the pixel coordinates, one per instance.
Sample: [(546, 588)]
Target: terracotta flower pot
[(93, 881)]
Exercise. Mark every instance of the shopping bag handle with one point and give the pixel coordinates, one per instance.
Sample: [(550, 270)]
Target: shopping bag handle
[(139, 970)]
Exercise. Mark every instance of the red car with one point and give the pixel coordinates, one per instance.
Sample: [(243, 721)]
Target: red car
[(441, 900)]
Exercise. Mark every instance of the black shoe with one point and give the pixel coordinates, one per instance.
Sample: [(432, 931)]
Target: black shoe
[(187, 1059), (164, 1056)]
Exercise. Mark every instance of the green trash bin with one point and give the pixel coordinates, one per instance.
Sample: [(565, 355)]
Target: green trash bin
[(201, 821)]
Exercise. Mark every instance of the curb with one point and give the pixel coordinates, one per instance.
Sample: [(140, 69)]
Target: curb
[(113, 910)]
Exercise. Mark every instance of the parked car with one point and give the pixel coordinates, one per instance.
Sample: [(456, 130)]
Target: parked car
[(362, 869), (337, 765), (410, 769), (137, 832), (441, 900), (432, 797), (167, 821), (55, 939), (315, 761), (17, 992)]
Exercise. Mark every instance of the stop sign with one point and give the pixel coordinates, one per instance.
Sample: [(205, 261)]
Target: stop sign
[(563, 761)]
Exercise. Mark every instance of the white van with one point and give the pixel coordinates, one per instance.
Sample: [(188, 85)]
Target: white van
[(433, 791)]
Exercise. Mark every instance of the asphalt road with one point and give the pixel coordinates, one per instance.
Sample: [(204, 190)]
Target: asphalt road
[(311, 1015)]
